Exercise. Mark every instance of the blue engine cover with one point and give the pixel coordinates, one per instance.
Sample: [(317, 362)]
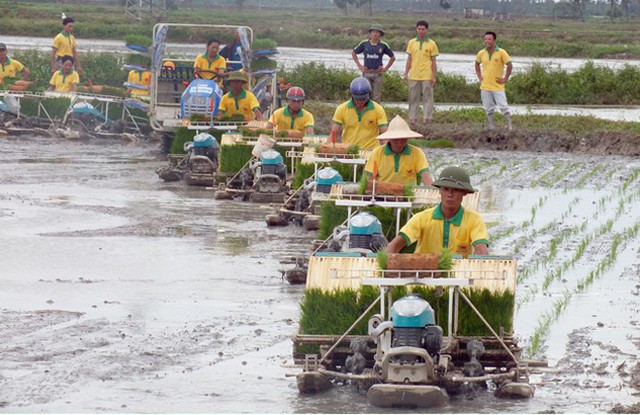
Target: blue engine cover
[(364, 223), (412, 311), (205, 140), (202, 96), (271, 157), (328, 176), (86, 108)]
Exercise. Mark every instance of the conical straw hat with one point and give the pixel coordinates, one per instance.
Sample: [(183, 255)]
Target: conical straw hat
[(398, 129)]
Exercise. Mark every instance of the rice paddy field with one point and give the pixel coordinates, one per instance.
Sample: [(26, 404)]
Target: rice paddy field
[(122, 293)]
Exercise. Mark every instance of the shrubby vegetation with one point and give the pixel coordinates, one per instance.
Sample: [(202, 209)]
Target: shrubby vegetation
[(593, 38), (590, 85)]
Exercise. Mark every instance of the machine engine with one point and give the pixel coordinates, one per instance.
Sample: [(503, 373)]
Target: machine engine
[(270, 173), (363, 234), (409, 344), (414, 325), (325, 178), (204, 145)]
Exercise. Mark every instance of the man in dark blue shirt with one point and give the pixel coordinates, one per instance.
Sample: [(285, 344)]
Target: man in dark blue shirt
[(373, 50)]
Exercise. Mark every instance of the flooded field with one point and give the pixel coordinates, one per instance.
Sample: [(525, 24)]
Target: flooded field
[(121, 293)]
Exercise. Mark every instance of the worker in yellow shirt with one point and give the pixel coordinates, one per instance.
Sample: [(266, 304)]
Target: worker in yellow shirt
[(490, 63), (238, 100), (292, 116), (9, 68), (397, 161), (142, 78), (420, 74), (64, 44), (66, 79), (448, 225), (360, 119), (210, 65)]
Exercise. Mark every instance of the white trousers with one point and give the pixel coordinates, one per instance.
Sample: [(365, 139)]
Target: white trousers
[(493, 99)]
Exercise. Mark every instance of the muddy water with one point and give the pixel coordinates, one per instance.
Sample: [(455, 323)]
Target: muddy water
[(120, 293)]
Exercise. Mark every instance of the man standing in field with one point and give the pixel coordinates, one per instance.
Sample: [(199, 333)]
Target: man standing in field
[(420, 73), (373, 50), (493, 78), (64, 44)]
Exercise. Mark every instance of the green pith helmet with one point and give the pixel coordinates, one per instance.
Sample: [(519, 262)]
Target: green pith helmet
[(456, 178), (378, 28), (237, 76)]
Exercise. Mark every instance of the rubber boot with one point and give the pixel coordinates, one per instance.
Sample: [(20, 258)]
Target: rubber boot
[(507, 118), (491, 121)]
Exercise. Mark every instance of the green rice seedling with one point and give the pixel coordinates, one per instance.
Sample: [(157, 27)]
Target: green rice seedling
[(445, 262), (263, 64), (55, 107), (234, 157), (381, 258), (113, 91), (138, 59), (330, 217), (592, 173), (264, 44), (363, 184), (408, 191), (496, 308), (544, 323)]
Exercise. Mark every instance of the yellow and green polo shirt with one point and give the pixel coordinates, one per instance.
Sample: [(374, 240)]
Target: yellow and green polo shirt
[(63, 83), (283, 120), (360, 127), (10, 68), (139, 77), (244, 104), (64, 44), (492, 68), (433, 233), (422, 52), (403, 168), (203, 63)]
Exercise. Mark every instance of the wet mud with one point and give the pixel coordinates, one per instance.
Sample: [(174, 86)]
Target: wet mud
[(596, 143), (122, 293)]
